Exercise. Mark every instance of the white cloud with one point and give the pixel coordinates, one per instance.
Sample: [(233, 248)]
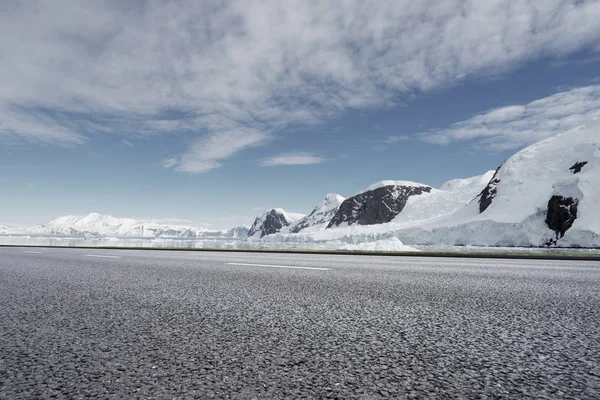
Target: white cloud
[(395, 139), (293, 159), (207, 152), (169, 162), (69, 68), (517, 125), (387, 142), (36, 126)]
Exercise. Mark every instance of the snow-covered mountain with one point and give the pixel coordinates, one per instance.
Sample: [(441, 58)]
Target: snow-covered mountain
[(275, 220), (239, 232), (321, 214), (418, 209), (97, 225), (546, 194), (377, 204)]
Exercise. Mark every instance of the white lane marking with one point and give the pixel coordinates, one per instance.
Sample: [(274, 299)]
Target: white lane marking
[(33, 252), (278, 266), (96, 255)]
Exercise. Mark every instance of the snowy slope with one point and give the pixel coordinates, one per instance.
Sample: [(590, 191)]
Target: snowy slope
[(513, 210), (291, 216), (450, 197), (238, 232), (388, 244), (320, 215)]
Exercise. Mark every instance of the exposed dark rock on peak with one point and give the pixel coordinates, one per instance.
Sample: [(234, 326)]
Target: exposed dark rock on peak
[(270, 222), (576, 168), (375, 206), (489, 192), (562, 212)]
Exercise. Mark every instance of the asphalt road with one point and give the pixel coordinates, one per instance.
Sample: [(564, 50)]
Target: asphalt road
[(80, 323)]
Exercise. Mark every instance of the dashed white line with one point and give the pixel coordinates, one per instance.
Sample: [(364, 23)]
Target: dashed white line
[(99, 256), (33, 252), (278, 266)]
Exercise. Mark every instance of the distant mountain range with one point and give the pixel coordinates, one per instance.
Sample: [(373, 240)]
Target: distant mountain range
[(547, 194), (97, 225)]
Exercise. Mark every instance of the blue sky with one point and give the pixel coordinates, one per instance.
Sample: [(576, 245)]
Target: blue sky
[(209, 113)]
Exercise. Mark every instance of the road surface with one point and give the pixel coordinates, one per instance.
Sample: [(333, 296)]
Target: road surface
[(81, 323)]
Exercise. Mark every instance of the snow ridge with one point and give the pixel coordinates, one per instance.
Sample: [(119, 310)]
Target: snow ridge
[(381, 184)]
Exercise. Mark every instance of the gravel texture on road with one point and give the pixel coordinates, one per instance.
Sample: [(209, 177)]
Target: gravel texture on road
[(165, 325)]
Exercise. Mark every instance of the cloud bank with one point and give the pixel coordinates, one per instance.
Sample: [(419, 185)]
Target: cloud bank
[(235, 73), (517, 125)]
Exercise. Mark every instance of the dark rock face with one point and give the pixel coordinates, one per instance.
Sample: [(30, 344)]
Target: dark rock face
[(269, 223), (301, 225), (562, 212), (576, 168), (489, 192), (376, 206)]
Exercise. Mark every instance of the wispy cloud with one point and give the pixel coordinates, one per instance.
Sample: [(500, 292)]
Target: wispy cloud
[(37, 126), (169, 162), (517, 125), (207, 152), (388, 142), (581, 61), (395, 139), (293, 159), (237, 72)]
